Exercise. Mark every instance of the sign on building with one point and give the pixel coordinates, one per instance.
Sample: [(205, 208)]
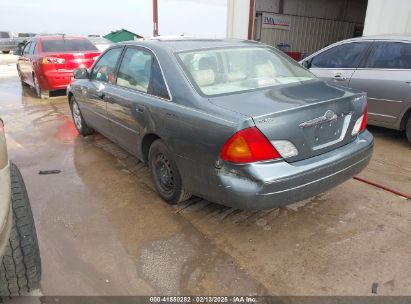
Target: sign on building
[(276, 21)]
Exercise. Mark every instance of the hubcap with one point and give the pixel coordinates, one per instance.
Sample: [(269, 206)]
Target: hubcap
[(76, 115), (164, 173)]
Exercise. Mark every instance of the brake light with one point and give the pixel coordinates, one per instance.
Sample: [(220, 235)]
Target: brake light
[(248, 145), (361, 122), (52, 60), (364, 119)]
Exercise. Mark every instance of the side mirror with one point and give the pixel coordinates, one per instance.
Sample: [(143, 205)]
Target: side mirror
[(80, 74), (306, 63)]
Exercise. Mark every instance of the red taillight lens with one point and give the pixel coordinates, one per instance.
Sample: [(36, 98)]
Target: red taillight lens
[(248, 145), (364, 119), (53, 60)]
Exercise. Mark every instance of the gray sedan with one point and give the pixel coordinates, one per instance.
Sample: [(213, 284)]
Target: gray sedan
[(234, 122), (378, 65)]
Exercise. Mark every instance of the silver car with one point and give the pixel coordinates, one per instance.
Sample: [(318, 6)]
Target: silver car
[(378, 65), (234, 122)]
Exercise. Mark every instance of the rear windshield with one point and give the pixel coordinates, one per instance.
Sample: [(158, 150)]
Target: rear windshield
[(67, 45), (231, 70)]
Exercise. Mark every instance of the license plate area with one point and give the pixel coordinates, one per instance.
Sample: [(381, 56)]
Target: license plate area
[(328, 133)]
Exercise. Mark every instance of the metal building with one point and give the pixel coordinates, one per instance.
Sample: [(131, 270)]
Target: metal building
[(302, 27)]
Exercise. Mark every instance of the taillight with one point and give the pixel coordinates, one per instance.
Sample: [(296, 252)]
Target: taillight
[(364, 119), (361, 122), (52, 60), (248, 145)]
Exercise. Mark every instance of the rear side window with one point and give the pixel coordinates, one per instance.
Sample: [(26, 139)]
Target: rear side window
[(105, 67), (135, 70), (340, 56), (158, 86), (390, 55), (67, 45), (27, 48)]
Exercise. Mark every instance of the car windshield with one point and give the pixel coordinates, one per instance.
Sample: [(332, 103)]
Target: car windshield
[(231, 70), (67, 45)]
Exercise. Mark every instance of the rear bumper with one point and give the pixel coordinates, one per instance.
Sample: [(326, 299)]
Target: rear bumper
[(56, 80), (274, 184), (5, 207)]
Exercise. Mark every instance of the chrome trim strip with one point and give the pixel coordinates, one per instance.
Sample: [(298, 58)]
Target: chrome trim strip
[(376, 114), (390, 100), (317, 180)]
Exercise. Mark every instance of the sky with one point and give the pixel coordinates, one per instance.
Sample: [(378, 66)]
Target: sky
[(199, 18)]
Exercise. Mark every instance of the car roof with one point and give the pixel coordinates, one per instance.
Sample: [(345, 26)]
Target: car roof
[(58, 37), (397, 37), (185, 44)]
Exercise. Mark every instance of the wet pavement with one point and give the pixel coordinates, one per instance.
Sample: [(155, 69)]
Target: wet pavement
[(103, 230)]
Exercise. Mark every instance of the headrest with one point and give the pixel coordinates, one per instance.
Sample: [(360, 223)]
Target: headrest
[(235, 76), (204, 77)]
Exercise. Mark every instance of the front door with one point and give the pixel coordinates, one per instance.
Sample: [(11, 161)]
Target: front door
[(102, 77)]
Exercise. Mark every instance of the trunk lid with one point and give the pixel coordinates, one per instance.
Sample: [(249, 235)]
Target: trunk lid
[(73, 60), (316, 117)]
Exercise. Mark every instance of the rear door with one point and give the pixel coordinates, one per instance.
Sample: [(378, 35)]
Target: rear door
[(386, 77), (102, 76), (337, 64), (140, 85), (25, 64)]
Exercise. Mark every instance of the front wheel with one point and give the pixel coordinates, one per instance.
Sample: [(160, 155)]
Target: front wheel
[(78, 119), (164, 172)]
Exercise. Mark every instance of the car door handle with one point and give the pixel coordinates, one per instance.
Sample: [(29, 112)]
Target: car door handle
[(339, 77), (408, 82), (140, 109)]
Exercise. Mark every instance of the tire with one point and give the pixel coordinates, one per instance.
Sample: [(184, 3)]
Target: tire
[(78, 119), (20, 270), (165, 175), (408, 129), (43, 94)]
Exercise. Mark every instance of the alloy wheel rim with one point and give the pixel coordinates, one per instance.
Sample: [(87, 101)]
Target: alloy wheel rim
[(76, 116), (164, 173)]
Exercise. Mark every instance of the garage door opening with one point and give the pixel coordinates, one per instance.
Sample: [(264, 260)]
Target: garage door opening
[(302, 27)]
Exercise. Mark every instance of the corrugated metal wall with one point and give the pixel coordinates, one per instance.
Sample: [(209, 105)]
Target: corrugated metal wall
[(307, 34)]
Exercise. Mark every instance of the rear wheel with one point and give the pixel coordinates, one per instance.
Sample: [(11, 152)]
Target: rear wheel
[(20, 270), (78, 119), (43, 94), (164, 172), (408, 129)]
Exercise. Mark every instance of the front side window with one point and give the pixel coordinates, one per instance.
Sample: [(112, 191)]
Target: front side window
[(67, 45), (238, 69), (340, 56), (105, 67), (135, 70), (390, 55)]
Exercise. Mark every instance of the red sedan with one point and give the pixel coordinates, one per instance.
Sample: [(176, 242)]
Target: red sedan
[(47, 62)]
